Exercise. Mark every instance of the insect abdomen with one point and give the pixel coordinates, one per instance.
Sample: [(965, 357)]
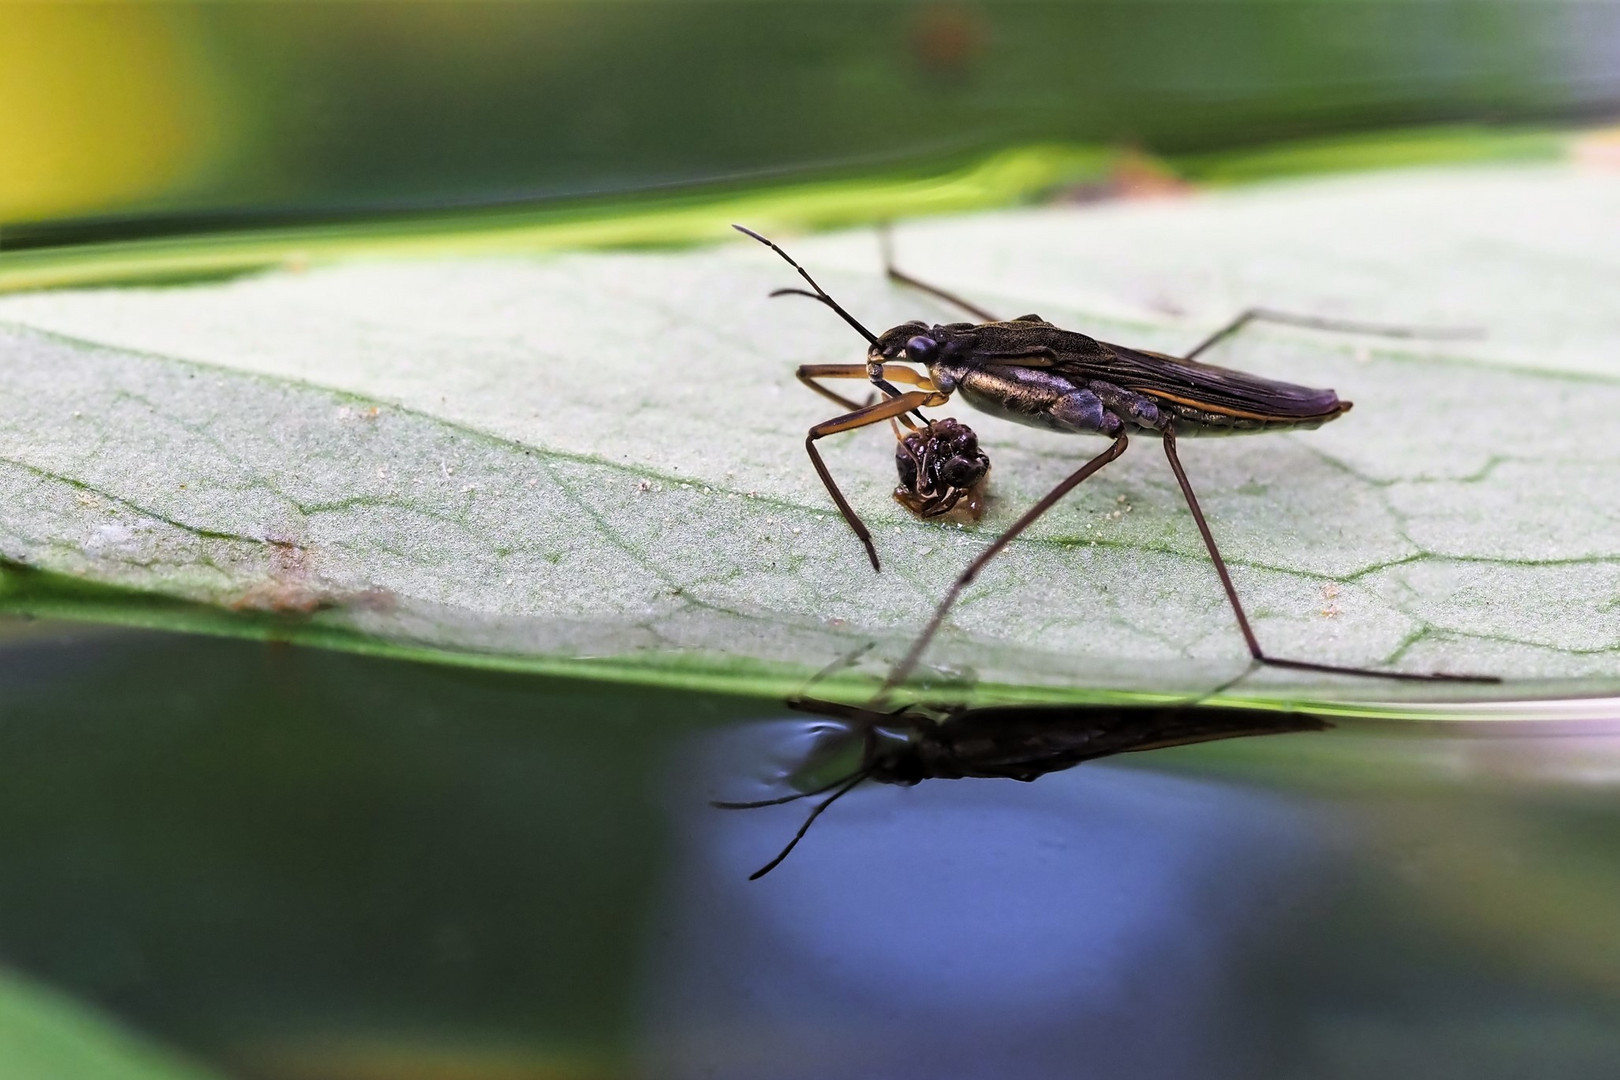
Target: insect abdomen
[(1037, 398)]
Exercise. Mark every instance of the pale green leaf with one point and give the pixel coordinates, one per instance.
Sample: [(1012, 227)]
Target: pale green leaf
[(593, 461)]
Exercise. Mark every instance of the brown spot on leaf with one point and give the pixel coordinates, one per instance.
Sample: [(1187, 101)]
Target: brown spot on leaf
[(291, 588)]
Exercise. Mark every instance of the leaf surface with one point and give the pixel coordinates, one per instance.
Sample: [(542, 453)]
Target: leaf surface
[(593, 462)]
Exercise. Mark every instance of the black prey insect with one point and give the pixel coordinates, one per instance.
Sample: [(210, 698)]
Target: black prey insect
[(942, 470), (916, 742), (1032, 372)]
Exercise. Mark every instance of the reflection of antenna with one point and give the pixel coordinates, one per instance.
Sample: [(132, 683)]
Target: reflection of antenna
[(721, 804), (846, 785), (819, 294)]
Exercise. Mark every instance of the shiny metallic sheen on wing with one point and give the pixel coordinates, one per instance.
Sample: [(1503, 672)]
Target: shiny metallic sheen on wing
[(1206, 387)]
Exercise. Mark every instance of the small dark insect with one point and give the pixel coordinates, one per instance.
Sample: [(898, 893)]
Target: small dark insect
[(1031, 372), (912, 743), (942, 470)]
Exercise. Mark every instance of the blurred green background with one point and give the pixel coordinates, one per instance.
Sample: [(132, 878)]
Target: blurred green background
[(141, 119)]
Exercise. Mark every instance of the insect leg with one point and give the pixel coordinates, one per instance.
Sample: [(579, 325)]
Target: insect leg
[(871, 414), (1343, 326), (896, 274), (905, 666), (1243, 620), (808, 373)]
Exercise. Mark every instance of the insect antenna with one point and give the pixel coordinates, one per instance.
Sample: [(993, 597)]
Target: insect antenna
[(847, 785), (807, 294), (820, 293)]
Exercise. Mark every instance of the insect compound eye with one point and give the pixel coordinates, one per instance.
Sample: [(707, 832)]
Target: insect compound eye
[(921, 348), (964, 472)]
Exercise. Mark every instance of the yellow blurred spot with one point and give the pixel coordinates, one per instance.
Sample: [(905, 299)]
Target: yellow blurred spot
[(104, 106)]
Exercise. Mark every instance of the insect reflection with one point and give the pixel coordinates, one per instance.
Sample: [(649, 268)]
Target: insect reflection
[(911, 743)]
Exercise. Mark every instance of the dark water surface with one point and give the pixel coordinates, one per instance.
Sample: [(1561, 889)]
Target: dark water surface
[(304, 864)]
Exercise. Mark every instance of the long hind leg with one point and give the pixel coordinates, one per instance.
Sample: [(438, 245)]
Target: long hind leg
[(896, 274), (966, 577), (1253, 642), (1341, 326)]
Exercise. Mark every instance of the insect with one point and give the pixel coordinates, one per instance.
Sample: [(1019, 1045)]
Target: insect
[(942, 470), (917, 742), (1032, 372)]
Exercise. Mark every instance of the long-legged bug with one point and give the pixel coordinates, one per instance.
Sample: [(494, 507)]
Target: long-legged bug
[(908, 744), (1031, 372)]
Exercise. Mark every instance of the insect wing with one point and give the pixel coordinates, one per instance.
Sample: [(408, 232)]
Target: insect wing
[(1204, 386), (1096, 731), (1022, 742)]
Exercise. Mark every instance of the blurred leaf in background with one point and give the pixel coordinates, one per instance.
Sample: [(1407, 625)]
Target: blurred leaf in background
[(144, 119), (45, 1035), (107, 107)]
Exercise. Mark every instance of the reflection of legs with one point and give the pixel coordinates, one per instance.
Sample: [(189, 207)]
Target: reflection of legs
[(904, 667), (1343, 326), (904, 278), (1237, 607), (871, 414), (800, 702), (849, 659)]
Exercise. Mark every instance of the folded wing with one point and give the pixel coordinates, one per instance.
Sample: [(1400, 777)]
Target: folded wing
[(1216, 389)]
